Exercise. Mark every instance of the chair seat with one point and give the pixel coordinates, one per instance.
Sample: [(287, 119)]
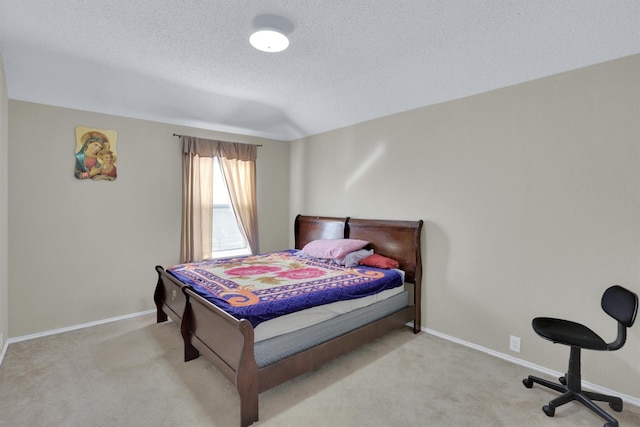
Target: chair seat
[(568, 333)]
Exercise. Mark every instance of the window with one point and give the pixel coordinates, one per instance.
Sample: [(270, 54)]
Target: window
[(202, 160), (227, 236)]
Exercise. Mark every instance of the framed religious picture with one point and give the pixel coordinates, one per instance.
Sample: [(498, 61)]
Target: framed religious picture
[(96, 154)]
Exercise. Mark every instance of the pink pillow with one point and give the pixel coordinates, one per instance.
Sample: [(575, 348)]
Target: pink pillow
[(379, 261), (333, 248)]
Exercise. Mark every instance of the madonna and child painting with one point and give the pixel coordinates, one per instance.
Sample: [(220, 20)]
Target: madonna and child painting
[(95, 154)]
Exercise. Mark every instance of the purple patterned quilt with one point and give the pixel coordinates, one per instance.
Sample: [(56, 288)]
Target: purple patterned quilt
[(262, 287)]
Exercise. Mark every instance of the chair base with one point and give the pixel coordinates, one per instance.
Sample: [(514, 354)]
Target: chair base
[(573, 392)]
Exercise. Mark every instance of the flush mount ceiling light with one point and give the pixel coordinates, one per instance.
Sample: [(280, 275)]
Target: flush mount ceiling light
[(269, 40), (270, 33)]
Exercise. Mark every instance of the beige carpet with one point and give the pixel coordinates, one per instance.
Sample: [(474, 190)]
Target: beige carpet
[(131, 373)]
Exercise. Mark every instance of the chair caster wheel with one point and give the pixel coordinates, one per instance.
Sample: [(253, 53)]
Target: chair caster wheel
[(527, 383), (563, 380), (549, 410), (616, 406)]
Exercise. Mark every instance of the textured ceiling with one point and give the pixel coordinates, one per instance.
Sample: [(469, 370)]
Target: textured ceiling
[(189, 62)]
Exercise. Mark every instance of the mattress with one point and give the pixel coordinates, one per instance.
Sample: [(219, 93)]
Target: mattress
[(269, 351), (311, 316)]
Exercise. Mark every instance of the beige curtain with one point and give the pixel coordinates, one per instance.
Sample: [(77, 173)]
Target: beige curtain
[(238, 163), (238, 168)]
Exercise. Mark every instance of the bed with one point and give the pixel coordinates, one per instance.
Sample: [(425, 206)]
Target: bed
[(255, 366)]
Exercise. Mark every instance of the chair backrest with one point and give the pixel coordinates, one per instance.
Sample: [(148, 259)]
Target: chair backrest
[(621, 304)]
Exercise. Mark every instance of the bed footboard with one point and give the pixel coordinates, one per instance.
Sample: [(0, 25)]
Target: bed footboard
[(227, 343)]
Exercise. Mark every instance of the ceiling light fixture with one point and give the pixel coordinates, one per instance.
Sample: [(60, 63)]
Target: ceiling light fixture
[(269, 40), (270, 33)]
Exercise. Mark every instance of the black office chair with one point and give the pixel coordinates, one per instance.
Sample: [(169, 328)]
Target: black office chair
[(617, 302)]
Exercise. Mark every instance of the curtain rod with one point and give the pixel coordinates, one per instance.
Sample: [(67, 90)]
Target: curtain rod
[(257, 145)]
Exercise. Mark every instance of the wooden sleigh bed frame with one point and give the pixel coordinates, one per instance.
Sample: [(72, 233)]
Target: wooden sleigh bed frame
[(229, 343)]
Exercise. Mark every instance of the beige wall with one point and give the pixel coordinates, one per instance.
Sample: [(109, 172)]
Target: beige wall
[(4, 196), (531, 200), (83, 251)]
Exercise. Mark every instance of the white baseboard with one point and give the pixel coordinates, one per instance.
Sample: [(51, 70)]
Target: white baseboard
[(70, 328), (73, 328), (630, 399)]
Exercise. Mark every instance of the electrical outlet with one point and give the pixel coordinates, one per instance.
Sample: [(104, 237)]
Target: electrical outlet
[(514, 343)]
